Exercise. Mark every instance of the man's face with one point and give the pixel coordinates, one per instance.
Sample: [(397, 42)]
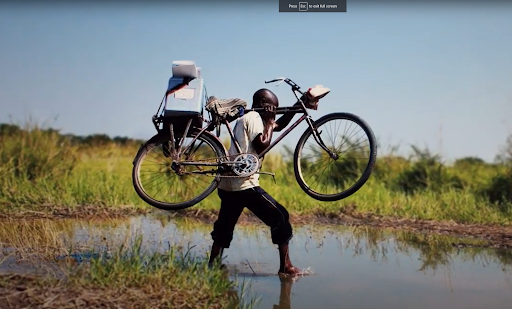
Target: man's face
[(269, 104), (264, 102)]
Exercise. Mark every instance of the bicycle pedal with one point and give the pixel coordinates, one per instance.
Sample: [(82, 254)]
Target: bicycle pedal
[(267, 173), (271, 174)]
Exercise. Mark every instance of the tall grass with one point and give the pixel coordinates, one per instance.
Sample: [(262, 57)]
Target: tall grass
[(129, 278), (107, 269), (42, 168)]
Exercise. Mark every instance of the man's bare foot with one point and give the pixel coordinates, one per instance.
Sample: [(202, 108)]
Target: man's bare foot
[(289, 271)]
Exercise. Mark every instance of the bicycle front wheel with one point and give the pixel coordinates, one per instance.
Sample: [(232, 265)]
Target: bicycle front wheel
[(170, 185), (328, 179)]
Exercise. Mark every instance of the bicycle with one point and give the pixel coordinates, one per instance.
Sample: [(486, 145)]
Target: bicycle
[(174, 129)]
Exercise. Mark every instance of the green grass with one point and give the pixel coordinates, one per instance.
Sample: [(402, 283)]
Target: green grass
[(120, 271), (40, 169), (129, 278)]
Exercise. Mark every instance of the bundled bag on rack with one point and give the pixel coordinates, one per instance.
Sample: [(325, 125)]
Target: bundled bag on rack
[(229, 109)]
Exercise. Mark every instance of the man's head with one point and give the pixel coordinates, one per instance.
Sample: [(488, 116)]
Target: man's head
[(264, 97)]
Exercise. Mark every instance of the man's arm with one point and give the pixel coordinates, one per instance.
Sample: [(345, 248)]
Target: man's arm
[(284, 120), (262, 141), (260, 127)]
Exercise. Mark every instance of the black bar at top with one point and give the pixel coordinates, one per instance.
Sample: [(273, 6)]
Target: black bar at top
[(312, 6)]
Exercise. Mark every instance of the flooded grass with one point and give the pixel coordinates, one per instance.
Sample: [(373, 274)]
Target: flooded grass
[(44, 239), (65, 264), (128, 278), (158, 262)]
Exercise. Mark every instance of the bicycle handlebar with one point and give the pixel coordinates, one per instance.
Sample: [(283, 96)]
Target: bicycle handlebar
[(272, 81), (292, 84)]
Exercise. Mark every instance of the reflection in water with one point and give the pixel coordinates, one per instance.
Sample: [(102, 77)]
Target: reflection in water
[(359, 267), (285, 294)]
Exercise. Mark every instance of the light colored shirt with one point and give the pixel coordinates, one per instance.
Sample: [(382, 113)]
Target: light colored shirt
[(247, 128)]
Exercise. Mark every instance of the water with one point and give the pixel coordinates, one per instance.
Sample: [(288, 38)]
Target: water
[(352, 268)]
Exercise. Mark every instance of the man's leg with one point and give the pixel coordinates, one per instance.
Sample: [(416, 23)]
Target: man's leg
[(273, 214), (230, 210)]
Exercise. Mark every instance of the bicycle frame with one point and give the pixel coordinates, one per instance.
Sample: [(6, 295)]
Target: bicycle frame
[(280, 110), (174, 127)]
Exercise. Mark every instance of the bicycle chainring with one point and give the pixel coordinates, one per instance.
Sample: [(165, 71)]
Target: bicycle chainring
[(246, 165)]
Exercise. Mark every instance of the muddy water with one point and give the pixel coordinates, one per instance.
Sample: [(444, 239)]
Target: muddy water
[(351, 268)]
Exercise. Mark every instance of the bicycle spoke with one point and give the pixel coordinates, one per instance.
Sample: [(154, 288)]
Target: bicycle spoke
[(153, 179), (325, 175), (171, 182)]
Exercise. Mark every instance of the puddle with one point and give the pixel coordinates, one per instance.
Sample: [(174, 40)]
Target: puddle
[(352, 268)]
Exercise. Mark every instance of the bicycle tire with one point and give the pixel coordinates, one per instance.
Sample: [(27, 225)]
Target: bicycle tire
[(364, 177), (220, 151)]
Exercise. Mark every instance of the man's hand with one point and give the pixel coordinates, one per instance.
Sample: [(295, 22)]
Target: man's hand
[(284, 120), (269, 113)]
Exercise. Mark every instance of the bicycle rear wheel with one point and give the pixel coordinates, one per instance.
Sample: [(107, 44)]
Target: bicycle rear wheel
[(154, 175), (327, 179)]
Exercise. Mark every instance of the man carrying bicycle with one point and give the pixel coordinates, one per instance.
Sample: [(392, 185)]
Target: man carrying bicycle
[(253, 132)]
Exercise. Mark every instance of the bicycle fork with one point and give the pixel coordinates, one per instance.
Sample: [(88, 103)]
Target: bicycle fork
[(318, 139)]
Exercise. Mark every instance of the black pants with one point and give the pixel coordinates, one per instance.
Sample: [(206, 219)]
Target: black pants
[(261, 204)]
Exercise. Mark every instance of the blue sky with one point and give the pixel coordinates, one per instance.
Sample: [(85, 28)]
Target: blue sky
[(433, 75)]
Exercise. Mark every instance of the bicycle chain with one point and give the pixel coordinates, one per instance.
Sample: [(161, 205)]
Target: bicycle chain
[(228, 158)]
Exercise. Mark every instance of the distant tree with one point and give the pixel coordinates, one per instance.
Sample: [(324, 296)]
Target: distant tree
[(9, 129), (97, 139), (505, 154), (121, 140), (52, 131), (468, 161)]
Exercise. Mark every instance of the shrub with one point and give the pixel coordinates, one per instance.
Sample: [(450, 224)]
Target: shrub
[(33, 153), (426, 173), (499, 191)]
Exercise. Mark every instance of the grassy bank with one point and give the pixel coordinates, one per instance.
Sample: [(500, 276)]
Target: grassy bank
[(41, 170), (59, 271), (128, 279)]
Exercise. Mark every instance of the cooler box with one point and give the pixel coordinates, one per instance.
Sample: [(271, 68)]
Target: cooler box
[(188, 102), (191, 98)]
